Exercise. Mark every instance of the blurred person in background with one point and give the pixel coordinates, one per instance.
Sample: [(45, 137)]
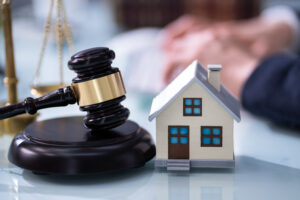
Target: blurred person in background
[(258, 66)]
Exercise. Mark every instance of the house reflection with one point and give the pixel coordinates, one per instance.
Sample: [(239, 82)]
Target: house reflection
[(211, 193), (14, 189), (201, 184)]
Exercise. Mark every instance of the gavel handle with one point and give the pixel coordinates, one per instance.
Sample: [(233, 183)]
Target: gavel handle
[(60, 97)]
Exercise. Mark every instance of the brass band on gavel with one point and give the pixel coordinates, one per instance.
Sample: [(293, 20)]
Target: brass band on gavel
[(99, 90)]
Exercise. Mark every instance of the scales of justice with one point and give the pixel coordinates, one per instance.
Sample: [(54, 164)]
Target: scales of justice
[(104, 140), (62, 31)]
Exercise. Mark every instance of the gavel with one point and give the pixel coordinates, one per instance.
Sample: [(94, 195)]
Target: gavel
[(98, 89)]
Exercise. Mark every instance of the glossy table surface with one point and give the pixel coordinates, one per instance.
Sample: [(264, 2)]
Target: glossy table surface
[(267, 167)]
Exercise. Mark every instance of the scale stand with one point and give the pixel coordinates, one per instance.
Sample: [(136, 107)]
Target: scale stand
[(18, 123)]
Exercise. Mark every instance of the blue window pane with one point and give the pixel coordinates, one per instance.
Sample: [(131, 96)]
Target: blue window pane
[(197, 102), (216, 141), (174, 131), (197, 111), (183, 131), (188, 102), (205, 131), (206, 141), (183, 140), (174, 140), (188, 111), (216, 131)]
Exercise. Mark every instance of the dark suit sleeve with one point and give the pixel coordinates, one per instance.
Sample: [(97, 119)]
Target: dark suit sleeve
[(273, 90)]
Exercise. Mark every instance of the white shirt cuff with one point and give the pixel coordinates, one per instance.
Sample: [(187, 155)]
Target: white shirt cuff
[(287, 15)]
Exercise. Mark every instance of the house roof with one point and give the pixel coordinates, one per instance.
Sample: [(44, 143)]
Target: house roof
[(194, 73)]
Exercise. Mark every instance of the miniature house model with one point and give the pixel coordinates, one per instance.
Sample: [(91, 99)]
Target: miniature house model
[(194, 121)]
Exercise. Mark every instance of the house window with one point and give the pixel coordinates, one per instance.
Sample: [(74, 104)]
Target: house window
[(192, 107), (211, 136), (178, 134)]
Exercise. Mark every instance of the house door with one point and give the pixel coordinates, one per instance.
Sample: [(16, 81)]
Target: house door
[(178, 145)]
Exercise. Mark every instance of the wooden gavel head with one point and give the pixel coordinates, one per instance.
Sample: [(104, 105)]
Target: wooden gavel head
[(98, 88)]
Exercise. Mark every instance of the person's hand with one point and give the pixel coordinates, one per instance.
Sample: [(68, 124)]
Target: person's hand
[(180, 27), (210, 48), (183, 51), (238, 46), (260, 37)]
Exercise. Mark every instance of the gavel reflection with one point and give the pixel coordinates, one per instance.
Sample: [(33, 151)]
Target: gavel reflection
[(98, 89)]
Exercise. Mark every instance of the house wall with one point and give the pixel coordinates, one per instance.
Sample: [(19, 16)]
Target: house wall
[(213, 114)]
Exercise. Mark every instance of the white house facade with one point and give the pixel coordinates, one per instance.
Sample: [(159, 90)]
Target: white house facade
[(194, 121)]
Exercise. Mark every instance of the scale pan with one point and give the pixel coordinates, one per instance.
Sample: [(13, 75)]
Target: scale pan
[(41, 90)]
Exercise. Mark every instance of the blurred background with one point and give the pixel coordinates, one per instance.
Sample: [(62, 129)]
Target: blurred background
[(131, 28)]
